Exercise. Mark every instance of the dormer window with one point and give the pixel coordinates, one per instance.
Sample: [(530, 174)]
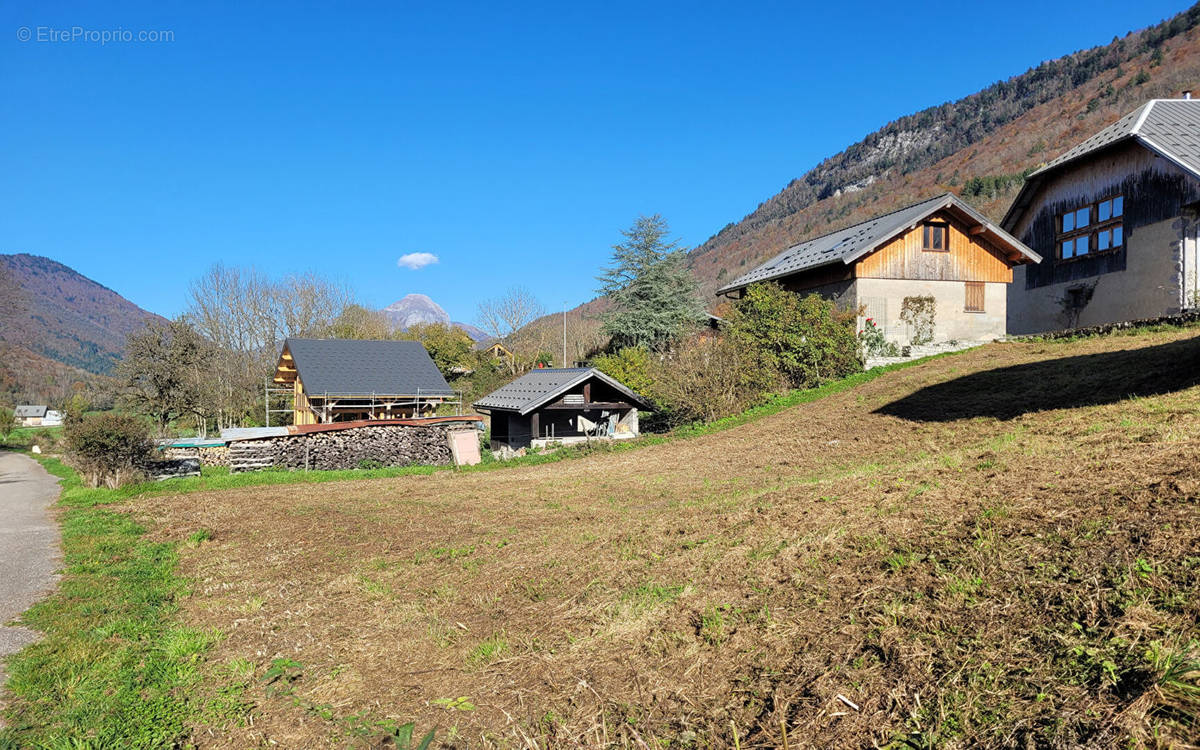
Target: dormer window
[(1094, 228), (936, 238)]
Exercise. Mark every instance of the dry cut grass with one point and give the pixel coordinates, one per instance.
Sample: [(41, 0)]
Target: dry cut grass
[(997, 549)]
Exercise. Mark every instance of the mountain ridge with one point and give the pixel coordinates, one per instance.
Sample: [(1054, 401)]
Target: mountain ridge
[(416, 309), (60, 328)]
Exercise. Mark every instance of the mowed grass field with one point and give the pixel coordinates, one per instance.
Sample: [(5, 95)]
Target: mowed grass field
[(995, 549)]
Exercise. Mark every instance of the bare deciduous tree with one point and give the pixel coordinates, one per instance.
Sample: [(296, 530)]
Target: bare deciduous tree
[(508, 318), (165, 370), (503, 316)]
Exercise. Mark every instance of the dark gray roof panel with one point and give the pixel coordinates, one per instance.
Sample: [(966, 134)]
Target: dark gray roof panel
[(849, 244), (538, 387), (29, 411), (1172, 128), (360, 368)]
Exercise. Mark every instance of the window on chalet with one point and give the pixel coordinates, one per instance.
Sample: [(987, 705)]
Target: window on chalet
[(974, 301), (1094, 228), (936, 237)]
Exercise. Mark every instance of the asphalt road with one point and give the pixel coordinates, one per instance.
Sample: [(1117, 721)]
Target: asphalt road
[(29, 545)]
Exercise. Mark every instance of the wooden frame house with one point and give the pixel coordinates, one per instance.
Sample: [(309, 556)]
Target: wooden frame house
[(940, 248), (342, 380), (561, 406)]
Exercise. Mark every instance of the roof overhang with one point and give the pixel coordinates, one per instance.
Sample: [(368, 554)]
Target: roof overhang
[(1015, 251), (549, 396)]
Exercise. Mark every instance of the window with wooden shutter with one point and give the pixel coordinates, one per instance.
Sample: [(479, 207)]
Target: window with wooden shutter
[(974, 301)]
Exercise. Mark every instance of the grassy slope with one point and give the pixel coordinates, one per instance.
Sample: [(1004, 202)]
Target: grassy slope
[(116, 669), (966, 567), (994, 549)]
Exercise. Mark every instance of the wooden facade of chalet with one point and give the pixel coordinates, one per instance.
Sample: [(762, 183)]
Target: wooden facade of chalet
[(941, 249), (335, 380)]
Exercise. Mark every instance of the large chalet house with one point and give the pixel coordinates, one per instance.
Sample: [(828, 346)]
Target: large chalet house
[(1115, 219), (940, 248), (342, 380)]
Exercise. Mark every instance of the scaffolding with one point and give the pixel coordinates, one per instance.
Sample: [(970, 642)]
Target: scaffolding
[(284, 392)]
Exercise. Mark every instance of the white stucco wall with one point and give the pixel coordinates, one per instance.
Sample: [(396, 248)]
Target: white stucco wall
[(882, 300), (1147, 288)]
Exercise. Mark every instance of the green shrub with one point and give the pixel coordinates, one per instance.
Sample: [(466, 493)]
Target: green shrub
[(108, 449), (633, 366), (808, 340), (8, 422), (874, 343)]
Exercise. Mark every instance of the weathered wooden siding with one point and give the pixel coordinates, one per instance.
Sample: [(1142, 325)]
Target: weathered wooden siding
[(1154, 189), (809, 280), (969, 258)]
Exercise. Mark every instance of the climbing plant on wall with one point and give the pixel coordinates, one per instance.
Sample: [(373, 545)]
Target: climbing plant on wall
[(918, 313)]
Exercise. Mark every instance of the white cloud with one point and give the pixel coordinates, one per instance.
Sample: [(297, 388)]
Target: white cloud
[(416, 261)]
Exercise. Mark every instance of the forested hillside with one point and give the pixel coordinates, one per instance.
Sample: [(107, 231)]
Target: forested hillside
[(58, 328)]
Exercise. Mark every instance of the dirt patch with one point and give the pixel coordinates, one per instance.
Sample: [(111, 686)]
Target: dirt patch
[(863, 570)]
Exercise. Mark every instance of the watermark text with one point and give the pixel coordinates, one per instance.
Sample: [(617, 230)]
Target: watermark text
[(85, 35)]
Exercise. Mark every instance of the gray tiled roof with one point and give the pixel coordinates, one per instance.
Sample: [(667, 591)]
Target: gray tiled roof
[(1169, 126), (848, 245), (27, 411), (538, 387), (360, 368)]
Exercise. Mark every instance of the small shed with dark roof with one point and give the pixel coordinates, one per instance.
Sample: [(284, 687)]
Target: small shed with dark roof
[(340, 380), (561, 406)]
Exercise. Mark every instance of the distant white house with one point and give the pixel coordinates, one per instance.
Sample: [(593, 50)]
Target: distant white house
[(52, 419), (29, 415)]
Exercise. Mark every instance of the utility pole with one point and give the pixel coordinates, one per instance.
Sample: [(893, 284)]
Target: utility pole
[(564, 334)]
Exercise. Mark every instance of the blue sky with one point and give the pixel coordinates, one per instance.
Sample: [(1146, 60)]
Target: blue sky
[(511, 142)]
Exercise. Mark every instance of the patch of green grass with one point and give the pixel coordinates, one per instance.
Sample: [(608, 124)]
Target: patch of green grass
[(651, 594), (716, 621), (488, 651), (196, 538), (114, 668)]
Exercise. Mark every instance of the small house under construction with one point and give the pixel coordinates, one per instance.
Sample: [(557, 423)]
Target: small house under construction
[(561, 406), (343, 380)]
